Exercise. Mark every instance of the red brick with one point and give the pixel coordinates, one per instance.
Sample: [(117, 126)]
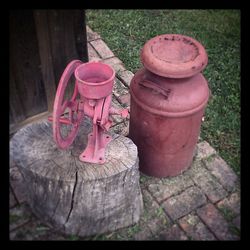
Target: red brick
[(216, 222), (195, 228), (222, 172), (209, 185), (93, 56), (150, 205), (142, 231), (204, 150), (169, 187), (91, 35), (156, 225), (153, 216), (115, 63), (232, 203), (102, 49), (126, 77), (144, 234), (182, 204), (173, 233)]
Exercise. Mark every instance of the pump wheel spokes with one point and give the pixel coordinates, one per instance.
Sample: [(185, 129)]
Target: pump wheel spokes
[(66, 114)]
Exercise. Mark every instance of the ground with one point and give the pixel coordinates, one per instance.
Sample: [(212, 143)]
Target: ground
[(203, 203)]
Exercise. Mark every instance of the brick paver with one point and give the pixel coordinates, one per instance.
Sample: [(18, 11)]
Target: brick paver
[(219, 168), (144, 234), (154, 215), (170, 187), (92, 53), (182, 204), (203, 203), (195, 228), (91, 35), (146, 180), (204, 150), (150, 205), (102, 49), (210, 186), (116, 63), (126, 77), (173, 233), (216, 222), (231, 203)]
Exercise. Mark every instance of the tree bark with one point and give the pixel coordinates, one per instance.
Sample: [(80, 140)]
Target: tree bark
[(76, 197)]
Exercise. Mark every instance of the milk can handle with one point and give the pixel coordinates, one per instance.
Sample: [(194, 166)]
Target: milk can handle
[(155, 87)]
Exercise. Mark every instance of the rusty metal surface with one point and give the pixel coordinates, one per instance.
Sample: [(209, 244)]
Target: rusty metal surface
[(169, 97), (167, 106), (174, 55)]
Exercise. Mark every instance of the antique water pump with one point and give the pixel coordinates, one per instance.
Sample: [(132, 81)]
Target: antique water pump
[(168, 100), (92, 97)]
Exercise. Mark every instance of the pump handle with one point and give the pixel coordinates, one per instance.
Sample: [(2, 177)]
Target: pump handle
[(157, 89)]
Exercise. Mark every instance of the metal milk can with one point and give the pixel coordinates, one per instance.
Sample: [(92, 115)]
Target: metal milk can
[(168, 100)]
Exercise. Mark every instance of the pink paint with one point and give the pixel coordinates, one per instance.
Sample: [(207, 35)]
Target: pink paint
[(168, 100), (92, 97)]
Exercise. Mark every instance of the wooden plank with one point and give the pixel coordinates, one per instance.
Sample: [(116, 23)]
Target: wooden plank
[(43, 37), (56, 32), (27, 93), (61, 42), (81, 35), (58, 36), (66, 32)]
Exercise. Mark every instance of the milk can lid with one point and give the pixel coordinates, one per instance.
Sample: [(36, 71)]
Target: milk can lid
[(174, 55)]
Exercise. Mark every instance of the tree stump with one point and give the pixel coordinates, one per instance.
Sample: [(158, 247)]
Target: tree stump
[(76, 197)]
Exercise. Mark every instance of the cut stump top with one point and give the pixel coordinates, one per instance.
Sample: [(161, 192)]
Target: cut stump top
[(33, 148)]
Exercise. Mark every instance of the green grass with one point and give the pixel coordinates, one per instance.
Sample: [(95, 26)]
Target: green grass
[(227, 213), (126, 31)]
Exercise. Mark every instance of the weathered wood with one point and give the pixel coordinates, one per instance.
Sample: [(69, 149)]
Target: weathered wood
[(67, 41), (42, 30), (81, 35), (42, 43), (27, 93), (75, 197)]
